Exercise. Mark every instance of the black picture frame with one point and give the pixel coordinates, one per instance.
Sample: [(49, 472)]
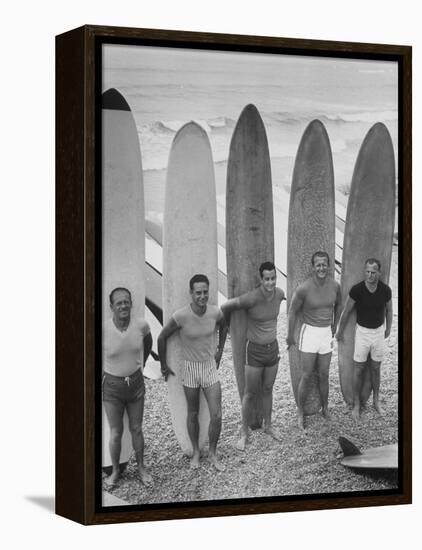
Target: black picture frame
[(78, 259)]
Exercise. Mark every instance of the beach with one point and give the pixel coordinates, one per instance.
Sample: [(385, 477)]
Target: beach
[(302, 463), (165, 90)]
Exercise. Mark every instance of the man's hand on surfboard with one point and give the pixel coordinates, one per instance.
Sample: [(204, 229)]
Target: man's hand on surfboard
[(217, 357), (166, 371), (290, 341)]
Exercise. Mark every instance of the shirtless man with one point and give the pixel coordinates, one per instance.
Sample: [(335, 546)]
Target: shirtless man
[(127, 343), (197, 324), (319, 301), (262, 306), (374, 315)]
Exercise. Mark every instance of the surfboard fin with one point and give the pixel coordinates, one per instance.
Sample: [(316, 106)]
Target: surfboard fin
[(348, 448)]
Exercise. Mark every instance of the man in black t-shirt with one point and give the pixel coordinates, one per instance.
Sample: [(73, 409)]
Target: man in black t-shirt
[(372, 300)]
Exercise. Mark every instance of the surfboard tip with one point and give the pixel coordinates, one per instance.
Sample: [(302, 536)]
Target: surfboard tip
[(112, 99)]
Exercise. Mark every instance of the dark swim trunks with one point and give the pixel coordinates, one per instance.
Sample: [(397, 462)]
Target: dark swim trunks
[(123, 389), (262, 355)]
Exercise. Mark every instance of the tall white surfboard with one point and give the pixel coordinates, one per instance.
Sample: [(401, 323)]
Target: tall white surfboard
[(189, 247)]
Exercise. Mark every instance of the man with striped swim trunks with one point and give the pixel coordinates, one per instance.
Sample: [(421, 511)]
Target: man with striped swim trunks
[(318, 300), (197, 325), (374, 315), (262, 306)]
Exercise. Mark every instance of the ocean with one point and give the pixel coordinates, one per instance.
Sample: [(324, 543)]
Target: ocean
[(168, 87)]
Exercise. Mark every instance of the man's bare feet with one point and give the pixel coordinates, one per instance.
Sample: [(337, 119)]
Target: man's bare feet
[(194, 461), (356, 413), (326, 414), (145, 476), (378, 408), (111, 480), (241, 444), (269, 431), (219, 466)]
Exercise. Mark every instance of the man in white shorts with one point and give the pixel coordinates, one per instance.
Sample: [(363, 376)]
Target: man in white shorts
[(318, 300), (374, 315), (197, 324)]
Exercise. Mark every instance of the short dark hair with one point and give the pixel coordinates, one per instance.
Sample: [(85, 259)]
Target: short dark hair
[(374, 261), (198, 278), (266, 266), (320, 254), (117, 289)]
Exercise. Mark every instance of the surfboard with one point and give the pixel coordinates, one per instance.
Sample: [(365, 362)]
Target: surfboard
[(111, 500), (249, 228), (376, 458), (189, 247), (123, 248), (369, 232), (311, 228)]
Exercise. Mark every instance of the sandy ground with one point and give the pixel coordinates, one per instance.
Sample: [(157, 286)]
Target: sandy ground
[(299, 464)]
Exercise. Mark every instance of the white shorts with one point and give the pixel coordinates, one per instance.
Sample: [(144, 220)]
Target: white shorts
[(315, 339), (198, 374), (369, 341)]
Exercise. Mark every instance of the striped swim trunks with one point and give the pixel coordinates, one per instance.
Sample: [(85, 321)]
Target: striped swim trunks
[(199, 374)]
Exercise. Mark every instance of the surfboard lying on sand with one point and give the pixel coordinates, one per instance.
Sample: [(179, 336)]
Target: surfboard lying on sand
[(123, 250), (249, 228), (311, 228), (376, 458), (189, 247), (369, 231)]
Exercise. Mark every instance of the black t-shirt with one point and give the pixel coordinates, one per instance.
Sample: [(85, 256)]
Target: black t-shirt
[(370, 306)]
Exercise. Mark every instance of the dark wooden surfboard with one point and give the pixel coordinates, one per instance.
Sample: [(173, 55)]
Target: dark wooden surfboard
[(369, 232), (249, 228), (311, 228)]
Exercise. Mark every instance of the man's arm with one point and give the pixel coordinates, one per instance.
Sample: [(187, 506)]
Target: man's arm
[(222, 335), (228, 307), (337, 311), (244, 301), (295, 306), (147, 346), (350, 304), (170, 328), (388, 317)]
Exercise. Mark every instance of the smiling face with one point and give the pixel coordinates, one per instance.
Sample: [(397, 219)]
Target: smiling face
[(199, 294), (121, 305), (320, 267), (269, 280), (372, 273)]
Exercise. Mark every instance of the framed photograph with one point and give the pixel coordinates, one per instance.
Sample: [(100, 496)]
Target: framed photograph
[(233, 274)]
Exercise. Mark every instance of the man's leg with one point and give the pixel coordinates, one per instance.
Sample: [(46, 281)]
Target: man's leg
[(192, 400), (375, 367), (323, 362), (358, 374), (308, 361), (269, 377), (213, 397), (135, 411), (114, 412), (253, 377)]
